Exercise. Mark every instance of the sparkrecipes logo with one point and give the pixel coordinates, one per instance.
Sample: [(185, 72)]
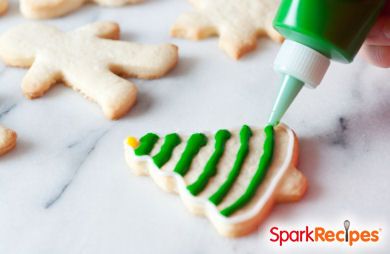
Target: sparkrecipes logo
[(322, 234)]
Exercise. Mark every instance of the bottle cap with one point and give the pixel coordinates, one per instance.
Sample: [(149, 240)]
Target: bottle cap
[(301, 62)]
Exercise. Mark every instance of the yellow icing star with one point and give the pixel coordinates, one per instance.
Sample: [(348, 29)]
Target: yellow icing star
[(133, 142)]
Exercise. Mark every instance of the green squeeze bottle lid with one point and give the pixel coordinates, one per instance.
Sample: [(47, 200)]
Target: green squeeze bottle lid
[(299, 65)]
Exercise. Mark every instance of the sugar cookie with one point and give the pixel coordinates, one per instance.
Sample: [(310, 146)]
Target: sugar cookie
[(233, 178), (86, 60), (44, 9), (3, 6), (7, 140), (237, 22)]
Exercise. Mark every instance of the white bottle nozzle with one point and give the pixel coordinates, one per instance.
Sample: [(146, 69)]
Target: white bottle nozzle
[(299, 65), (301, 62)]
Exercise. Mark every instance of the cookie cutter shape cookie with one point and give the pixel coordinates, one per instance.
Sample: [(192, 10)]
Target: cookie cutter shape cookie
[(238, 23), (7, 140), (3, 6), (88, 59), (233, 178), (45, 9)]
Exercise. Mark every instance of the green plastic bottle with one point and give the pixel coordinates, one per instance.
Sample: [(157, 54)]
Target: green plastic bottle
[(316, 32)]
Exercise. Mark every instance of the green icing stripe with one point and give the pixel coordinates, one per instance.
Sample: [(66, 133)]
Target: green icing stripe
[(165, 153), (210, 170), (147, 143), (259, 176), (194, 144), (219, 195)]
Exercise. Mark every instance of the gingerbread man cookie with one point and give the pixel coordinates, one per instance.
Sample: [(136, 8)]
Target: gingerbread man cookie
[(88, 59), (44, 9), (3, 6), (237, 22), (233, 178), (7, 140)]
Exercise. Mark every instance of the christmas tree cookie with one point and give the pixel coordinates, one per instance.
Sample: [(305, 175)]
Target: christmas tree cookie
[(232, 177)]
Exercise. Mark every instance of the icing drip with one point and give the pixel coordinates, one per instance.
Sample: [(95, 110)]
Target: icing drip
[(210, 170), (259, 176), (165, 153), (147, 143), (194, 144), (219, 195)]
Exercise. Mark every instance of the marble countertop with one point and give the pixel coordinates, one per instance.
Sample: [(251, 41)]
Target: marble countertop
[(67, 189)]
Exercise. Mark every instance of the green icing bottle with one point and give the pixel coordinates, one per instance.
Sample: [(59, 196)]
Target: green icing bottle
[(316, 32)]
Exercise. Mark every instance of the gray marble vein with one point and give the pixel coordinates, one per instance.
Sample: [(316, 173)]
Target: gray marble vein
[(6, 110), (340, 135), (88, 144)]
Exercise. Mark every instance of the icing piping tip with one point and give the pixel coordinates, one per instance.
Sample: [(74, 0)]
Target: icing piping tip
[(289, 90)]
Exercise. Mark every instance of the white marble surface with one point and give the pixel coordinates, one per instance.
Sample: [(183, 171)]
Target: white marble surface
[(66, 188)]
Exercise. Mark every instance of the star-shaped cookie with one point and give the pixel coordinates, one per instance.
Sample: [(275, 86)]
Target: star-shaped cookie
[(238, 23)]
